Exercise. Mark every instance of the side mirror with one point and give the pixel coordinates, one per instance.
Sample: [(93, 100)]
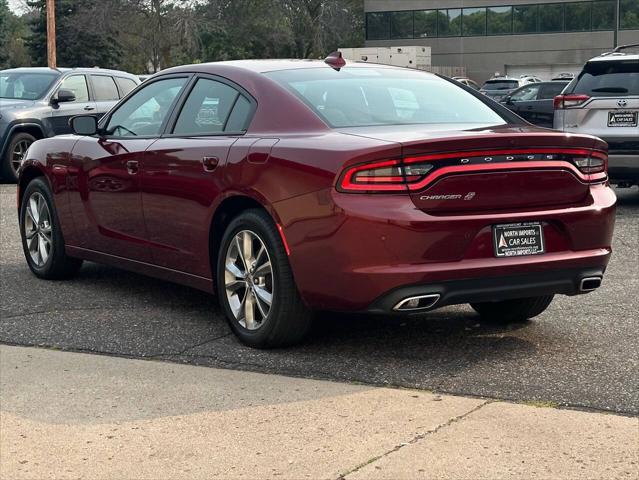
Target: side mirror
[(63, 95), (84, 125)]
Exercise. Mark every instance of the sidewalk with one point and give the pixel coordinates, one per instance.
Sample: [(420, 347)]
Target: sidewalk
[(69, 415)]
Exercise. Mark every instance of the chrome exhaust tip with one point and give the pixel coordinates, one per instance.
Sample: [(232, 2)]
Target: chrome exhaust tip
[(589, 284), (419, 302)]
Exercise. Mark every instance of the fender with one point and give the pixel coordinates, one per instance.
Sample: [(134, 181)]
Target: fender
[(17, 125)]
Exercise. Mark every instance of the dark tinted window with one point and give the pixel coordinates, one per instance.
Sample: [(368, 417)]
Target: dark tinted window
[(551, 90), (500, 84), (629, 17), (378, 25), (78, 85), (238, 120), (144, 112), (125, 85), (361, 96), (609, 79), (500, 20), (425, 23), (525, 94), (449, 22), (551, 17), (603, 15), (474, 21), (206, 109), (578, 16), (401, 24), (104, 88), (525, 19)]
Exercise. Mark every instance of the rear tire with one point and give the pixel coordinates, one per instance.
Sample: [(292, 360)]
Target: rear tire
[(512, 311), (42, 240), (17, 147), (253, 270)]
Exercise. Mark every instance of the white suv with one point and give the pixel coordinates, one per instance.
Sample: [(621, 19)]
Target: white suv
[(603, 100)]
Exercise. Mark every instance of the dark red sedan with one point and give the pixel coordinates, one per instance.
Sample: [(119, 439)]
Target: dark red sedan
[(289, 186)]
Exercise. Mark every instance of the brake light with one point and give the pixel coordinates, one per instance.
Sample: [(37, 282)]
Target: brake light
[(387, 176), (567, 101), (596, 162)]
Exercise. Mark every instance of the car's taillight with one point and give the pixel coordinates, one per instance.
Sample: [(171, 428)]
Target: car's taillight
[(596, 162), (384, 176), (567, 101)]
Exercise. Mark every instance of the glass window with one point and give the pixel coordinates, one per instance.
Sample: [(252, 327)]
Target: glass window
[(525, 94), (629, 16), (608, 79), (425, 23), (500, 84), (25, 85), (603, 15), (551, 17), (401, 24), (125, 85), (500, 20), (104, 88), (373, 96), (378, 26), (240, 116), (551, 90), (474, 21), (525, 19), (206, 109), (78, 85), (449, 22), (144, 112), (578, 16)]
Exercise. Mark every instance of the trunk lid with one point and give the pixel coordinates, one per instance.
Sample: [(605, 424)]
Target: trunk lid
[(491, 168)]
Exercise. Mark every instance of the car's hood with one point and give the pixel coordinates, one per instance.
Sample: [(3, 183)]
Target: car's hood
[(10, 103)]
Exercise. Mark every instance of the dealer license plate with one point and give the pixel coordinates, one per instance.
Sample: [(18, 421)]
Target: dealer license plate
[(622, 119), (518, 239)]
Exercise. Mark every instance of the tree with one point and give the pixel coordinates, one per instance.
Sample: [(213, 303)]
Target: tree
[(13, 31)]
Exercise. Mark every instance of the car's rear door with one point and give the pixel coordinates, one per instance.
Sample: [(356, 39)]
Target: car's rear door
[(544, 111), (183, 172), (105, 92), (105, 176), (63, 111)]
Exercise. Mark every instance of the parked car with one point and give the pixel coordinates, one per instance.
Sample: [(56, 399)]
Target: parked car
[(603, 100), (499, 87), (38, 102), (322, 185), (467, 81), (565, 76), (534, 102)]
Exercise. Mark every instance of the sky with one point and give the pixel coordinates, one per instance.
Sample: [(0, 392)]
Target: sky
[(15, 5)]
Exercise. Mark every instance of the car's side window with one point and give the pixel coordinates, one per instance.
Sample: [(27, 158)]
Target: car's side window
[(144, 113), (525, 94), (78, 85), (550, 91), (125, 85), (207, 108), (104, 88)]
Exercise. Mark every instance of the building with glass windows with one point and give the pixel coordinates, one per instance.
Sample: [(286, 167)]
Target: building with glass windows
[(514, 37)]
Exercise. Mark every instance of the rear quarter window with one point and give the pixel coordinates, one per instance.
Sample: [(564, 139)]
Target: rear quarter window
[(608, 79)]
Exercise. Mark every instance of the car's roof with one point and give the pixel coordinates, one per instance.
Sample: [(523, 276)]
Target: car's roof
[(272, 65), (612, 57), (63, 70)]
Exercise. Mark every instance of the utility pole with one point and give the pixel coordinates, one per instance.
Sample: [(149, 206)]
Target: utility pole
[(617, 14), (51, 56)]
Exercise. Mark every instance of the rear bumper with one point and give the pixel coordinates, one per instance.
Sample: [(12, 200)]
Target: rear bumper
[(623, 168), (566, 282)]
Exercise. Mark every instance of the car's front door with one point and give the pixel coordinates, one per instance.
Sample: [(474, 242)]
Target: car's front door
[(523, 102), (183, 173), (62, 111), (106, 172)]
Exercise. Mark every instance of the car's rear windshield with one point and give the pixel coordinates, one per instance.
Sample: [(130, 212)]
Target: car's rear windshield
[(25, 85), (608, 79), (363, 96), (500, 84)]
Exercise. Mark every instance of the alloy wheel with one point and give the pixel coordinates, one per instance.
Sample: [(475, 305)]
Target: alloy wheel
[(37, 229), (19, 149), (248, 279)]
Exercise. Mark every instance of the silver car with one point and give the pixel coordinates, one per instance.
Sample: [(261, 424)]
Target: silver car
[(603, 100)]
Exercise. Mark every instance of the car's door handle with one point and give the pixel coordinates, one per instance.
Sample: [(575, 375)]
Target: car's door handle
[(210, 163), (88, 108), (132, 166)]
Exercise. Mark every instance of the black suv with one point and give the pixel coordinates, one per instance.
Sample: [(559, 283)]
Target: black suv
[(38, 102)]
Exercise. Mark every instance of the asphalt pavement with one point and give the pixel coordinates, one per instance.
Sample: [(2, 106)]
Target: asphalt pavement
[(582, 352)]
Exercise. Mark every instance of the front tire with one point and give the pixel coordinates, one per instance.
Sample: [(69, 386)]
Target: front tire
[(17, 147), (512, 311), (255, 284), (42, 240)]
